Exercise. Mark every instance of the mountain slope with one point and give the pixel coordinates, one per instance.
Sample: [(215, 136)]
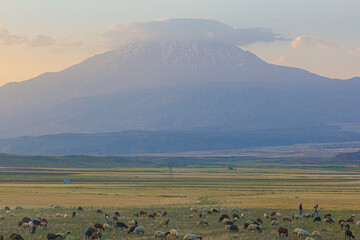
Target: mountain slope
[(175, 85)]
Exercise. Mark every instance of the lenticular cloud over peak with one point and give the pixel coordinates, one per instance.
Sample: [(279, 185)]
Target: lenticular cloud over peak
[(186, 29)]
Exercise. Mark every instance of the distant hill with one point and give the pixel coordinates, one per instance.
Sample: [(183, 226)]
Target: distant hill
[(348, 157), (154, 142)]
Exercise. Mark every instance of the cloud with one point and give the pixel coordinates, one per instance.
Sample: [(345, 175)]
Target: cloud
[(10, 39), (41, 41), (355, 52), (306, 41), (186, 29)]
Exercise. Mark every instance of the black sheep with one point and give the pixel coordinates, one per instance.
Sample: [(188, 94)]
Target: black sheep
[(121, 225), (348, 234), (234, 228), (317, 219)]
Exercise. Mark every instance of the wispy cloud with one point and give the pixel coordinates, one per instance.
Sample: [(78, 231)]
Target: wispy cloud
[(186, 29), (6, 38), (41, 41), (355, 52), (306, 41)]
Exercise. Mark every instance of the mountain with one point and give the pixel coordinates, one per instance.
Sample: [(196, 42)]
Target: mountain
[(352, 157), (176, 85)]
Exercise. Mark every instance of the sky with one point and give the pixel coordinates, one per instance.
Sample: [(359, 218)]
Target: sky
[(321, 36)]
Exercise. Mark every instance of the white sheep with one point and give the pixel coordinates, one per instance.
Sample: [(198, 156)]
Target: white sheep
[(274, 223), (191, 237), (253, 228), (296, 217), (303, 232), (358, 223), (66, 216), (139, 229), (278, 215), (174, 233), (161, 235), (316, 234), (107, 226)]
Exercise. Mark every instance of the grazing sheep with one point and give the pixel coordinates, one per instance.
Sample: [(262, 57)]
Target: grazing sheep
[(303, 232), (107, 227), (59, 215), (358, 223), (96, 235), (328, 220), (223, 209), (349, 234), (242, 216), (191, 237), (259, 220), (16, 236), (139, 229), (317, 219), (351, 220), (273, 214), (222, 217), (274, 223), (164, 214), (283, 231), (254, 228), (133, 223), (273, 218), (7, 209), (316, 234), (10, 214), (234, 210), (227, 221), (277, 215), (286, 219), (99, 226), (202, 215), (244, 209), (174, 233), (99, 211), (236, 216), (66, 216), (90, 231), (18, 207), (161, 235), (202, 223), (59, 236), (296, 217), (308, 215), (165, 223), (234, 228), (26, 220), (265, 215), (215, 210), (121, 225), (151, 216)]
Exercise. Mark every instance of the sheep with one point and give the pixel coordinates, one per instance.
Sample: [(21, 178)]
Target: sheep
[(286, 219), (16, 236), (161, 235), (223, 209), (277, 215), (242, 216), (265, 215), (235, 215), (328, 220), (227, 221), (191, 215), (274, 223), (133, 223), (191, 237), (66, 216), (99, 226), (96, 235), (303, 232), (358, 223), (349, 234), (60, 236), (202, 223), (139, 229), (244, 209), (351, 220), (215, 210), (222, 217), (151, 216), (193, 210), (234, 228), (273, 218), (10, 214), (316, 234), (107, 227), (234, 210), (296, 217), (202, 215), (7, 209), (317, 219), (174, 233), (121, 225), (164, 214), (259, 220), (57, 206), (59, 215), (98, 211), (253, 228), (27, 225), (26, 219), (283, 231), (308, 215), (18, 207), (90, 231), (273, 214), (165, 223)]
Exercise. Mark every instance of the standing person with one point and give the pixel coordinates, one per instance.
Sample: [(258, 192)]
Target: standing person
[(300, 208), (316, 209)]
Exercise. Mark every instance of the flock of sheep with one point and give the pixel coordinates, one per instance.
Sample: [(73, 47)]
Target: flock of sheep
[(230, 218)]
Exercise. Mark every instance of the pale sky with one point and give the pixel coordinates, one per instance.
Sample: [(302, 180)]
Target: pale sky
[(321, 36)]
